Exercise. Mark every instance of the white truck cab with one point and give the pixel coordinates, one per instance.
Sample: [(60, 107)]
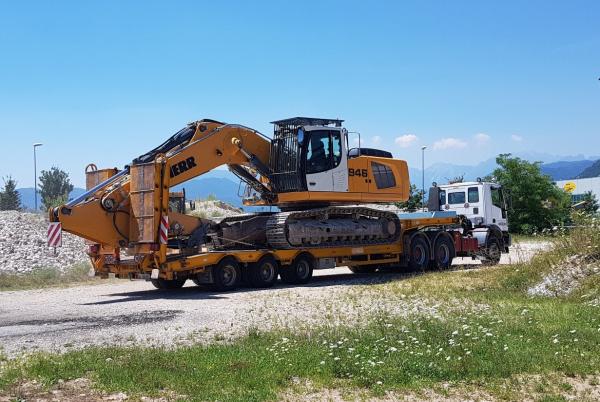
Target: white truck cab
[(483, 204)]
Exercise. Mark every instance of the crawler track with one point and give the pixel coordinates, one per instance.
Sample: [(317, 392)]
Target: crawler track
[(332, 227)]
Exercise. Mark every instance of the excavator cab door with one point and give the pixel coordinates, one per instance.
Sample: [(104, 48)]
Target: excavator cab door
[(325, 162)]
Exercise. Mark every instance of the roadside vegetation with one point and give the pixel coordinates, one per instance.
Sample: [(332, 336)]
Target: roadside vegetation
[(511, 346), (46, 277)]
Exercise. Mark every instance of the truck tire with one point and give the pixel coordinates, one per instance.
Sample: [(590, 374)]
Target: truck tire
[(419, 254), (362, 269), (492, 252), (300, 271), (263, 273), (166, 284), (226, 275), (443, 252)]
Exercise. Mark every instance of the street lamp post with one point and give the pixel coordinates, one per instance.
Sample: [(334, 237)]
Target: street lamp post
[(423, 148), (37, 144)]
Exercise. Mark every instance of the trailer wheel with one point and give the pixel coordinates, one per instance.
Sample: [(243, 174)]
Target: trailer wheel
[(443, 252), (167, 284), (362, 269), (263, 273), (419, 254), (492, 252), (226, 275), (300, 271)]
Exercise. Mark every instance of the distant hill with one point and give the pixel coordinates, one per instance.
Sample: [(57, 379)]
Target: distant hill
[(442, 172), (28, 200), (564, 170), (223, 189), (591, 171)]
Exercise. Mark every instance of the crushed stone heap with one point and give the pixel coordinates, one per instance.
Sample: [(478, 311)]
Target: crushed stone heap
[(23, 244)]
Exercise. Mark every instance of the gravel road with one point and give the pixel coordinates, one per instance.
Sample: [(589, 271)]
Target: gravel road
[(133, 312)]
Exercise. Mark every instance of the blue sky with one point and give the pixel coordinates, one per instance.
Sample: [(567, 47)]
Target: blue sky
[(105, 81)]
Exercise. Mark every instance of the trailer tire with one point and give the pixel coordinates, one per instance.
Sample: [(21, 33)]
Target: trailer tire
[(443, 252), (263, 273), (492, 252), (300, 271), (362, 269), (226, 275), (165, 284), (419, 253)]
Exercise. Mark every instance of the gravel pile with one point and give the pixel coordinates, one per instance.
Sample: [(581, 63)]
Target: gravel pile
[(23, 244), (566, 277), (213, 209)]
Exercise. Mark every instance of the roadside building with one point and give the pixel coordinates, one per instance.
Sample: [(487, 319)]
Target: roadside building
[(578, 187)]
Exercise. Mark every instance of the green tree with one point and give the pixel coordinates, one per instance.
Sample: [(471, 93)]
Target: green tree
[(536, 203), (590, 205), (54, 187), (414, 201), (10, 200)]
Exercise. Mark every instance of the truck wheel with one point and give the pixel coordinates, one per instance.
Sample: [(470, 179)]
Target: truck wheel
[(492, 252), (443, 253), (263, 273), (419, 254), (300, 271), (167, 284), (226, 275), (362, 269)]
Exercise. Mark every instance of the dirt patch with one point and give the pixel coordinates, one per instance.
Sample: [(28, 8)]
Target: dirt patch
[(77, 390), (524, 388)]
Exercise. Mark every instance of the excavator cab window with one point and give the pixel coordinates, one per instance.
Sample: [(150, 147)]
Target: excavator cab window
[(323, 151)]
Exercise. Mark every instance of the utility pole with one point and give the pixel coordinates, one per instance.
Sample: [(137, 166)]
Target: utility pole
[(423, 148), (37, 144)]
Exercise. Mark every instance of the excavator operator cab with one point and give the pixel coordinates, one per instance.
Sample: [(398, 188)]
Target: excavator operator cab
[(309, 154)]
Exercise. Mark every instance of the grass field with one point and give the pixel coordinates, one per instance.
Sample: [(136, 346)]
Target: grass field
[(509, 347), (46, 277)]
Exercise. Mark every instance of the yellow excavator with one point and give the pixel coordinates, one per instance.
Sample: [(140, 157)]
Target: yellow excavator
[(308, 170)]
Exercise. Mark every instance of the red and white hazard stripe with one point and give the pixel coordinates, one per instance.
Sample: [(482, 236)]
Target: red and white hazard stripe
[(163, 233), (54, 234)]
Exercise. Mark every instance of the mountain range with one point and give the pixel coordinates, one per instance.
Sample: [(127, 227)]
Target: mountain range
[(555, 167), (591, 171), (223, 185)]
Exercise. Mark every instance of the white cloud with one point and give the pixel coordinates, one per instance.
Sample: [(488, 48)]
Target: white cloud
[(516, 138), (376, 140), (406, 140), (482, 139), (449, 143)]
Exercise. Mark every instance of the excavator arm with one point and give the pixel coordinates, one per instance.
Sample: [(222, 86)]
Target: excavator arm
[(125, 210)]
